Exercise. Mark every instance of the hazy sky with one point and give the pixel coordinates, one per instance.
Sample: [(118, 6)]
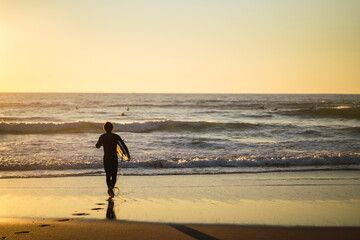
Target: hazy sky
[(197, 46)]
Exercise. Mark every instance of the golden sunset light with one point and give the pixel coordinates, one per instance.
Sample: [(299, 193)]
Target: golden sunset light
[(180, 119), (180, 46)]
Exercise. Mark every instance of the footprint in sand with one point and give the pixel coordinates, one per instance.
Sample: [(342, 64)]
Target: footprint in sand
[(100, 203), (22, 232), (97, 208), (63, 220), (81, 214), (2, 238), (44, 225)]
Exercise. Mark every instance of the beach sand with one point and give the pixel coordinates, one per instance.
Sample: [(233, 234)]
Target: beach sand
[(87, 229), (306, 205)]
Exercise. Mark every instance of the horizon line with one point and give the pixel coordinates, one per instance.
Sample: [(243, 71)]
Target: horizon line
[(210, 93)]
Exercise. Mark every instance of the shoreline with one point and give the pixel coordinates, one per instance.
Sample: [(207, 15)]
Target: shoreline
[(126, 172)]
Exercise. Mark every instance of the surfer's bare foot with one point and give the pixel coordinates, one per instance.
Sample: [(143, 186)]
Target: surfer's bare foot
[(111, 192)]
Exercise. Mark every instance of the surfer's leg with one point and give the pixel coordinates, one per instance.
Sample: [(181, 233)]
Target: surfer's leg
[(109, 183), (108, 180), (107, 168), (113, 180), (114, 173), (108, 177), (111, 169)]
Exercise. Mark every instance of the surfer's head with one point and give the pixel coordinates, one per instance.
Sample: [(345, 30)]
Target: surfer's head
[(108, 127)]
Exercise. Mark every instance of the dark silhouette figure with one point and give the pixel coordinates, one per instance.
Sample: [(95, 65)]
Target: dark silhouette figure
[(109, 142), (110, 214)]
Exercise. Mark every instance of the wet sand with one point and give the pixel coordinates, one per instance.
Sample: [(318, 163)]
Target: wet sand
[(283, 199), (236, 206)]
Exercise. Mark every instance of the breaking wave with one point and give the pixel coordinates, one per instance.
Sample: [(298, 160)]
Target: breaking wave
[(136, 127), (198, 163), (329, 112), (248, 162)]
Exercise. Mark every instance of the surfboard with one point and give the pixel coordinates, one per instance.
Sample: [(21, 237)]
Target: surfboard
[(123, 150)]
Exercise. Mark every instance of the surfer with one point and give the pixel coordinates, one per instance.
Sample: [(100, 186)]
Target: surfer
[(109, 142)]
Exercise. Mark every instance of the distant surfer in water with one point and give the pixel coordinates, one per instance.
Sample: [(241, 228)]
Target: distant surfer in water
[(110, 141)]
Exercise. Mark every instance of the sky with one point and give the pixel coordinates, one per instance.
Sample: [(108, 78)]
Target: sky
[(187, 46)]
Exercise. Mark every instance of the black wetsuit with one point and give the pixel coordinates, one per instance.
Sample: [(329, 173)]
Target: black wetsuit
[(109, 142)]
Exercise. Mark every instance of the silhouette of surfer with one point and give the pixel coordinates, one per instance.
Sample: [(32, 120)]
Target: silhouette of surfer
[(109, 142)]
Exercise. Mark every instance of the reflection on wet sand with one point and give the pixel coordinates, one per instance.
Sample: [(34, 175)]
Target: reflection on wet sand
[(110, 214), (301, 199)]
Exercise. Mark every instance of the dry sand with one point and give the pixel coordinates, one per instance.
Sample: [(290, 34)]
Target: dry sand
[(106, 229)]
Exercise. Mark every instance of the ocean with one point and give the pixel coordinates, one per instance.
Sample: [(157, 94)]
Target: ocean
[(54, 134)]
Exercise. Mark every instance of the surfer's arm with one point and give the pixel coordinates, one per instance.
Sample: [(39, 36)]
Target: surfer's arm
[(99, 143)]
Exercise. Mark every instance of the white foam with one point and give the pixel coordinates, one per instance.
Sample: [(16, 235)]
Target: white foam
[(88, 126)]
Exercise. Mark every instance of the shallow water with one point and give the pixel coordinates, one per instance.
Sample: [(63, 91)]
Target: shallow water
[(54, 134)]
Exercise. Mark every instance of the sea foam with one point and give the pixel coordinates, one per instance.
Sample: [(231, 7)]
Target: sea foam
[(136, 127)]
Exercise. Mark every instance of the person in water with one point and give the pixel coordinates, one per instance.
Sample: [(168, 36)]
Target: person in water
[(109, 142)]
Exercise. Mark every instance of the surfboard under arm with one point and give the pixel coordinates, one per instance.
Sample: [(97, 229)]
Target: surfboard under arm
[(123, 150)]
